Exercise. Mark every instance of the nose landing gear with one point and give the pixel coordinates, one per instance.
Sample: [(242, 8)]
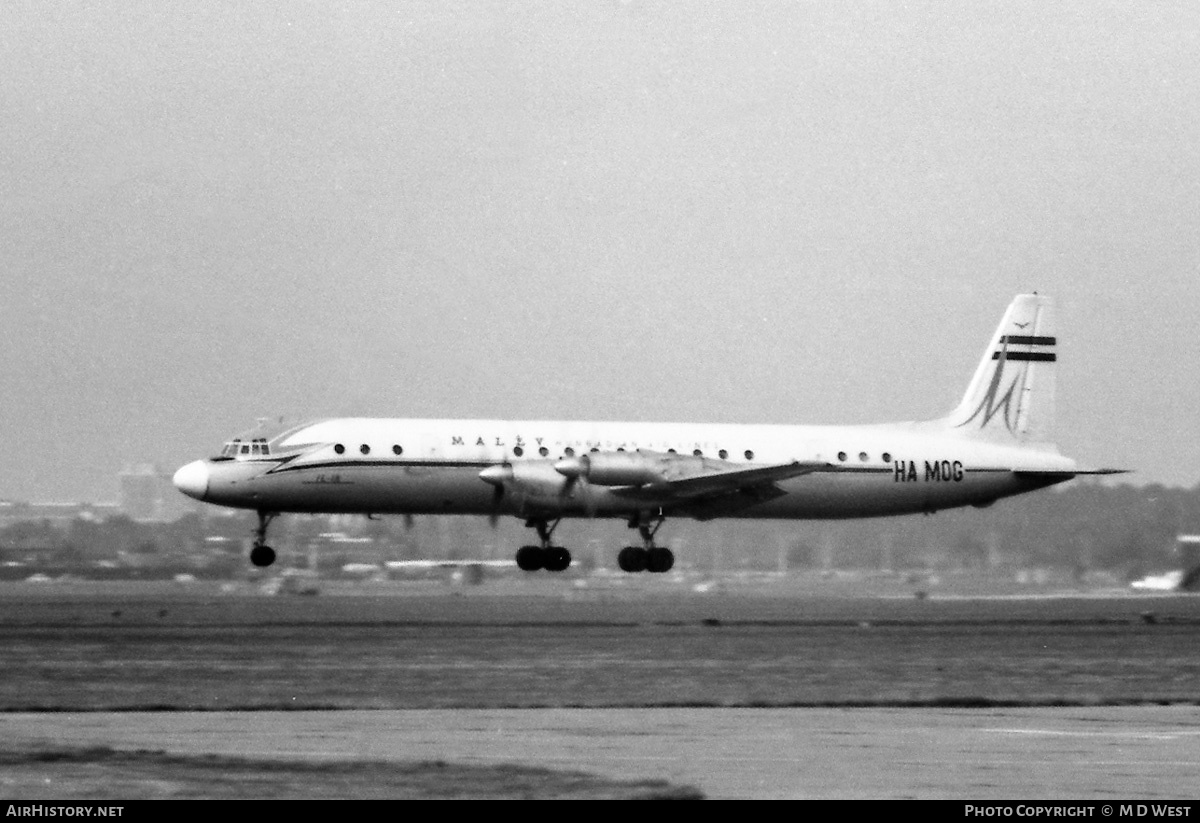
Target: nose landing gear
[(262, 555)]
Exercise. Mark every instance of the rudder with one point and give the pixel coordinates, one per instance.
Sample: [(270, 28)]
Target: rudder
[(1011, 396)]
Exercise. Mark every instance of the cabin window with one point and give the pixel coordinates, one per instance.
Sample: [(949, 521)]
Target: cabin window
[(749, 454), (397, 450), (543, 451), (722, 454), (569, 452), (518, 451), (864, 457), (339, 448), (364, 448), (842, 456), (697, 453), (887, 458)]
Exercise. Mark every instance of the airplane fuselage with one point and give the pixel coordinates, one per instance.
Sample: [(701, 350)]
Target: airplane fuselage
[(397, 466)]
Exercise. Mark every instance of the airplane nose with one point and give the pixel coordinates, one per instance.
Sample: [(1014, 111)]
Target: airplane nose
[(192, 479)]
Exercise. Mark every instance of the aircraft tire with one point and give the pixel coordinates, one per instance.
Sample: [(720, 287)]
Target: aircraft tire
[(558, 559), (632, 559), (530, 558), (262, 556), (659, 560)]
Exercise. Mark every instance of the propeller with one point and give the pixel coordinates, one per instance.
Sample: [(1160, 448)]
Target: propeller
[(539, 480), (575, 469), (497, 476), (497, 497)]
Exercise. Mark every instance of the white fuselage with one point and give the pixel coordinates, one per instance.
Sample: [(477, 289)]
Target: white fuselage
[(412, 466)]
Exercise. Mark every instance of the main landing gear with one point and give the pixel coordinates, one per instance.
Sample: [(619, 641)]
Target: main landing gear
[(545, 556), (647, 557), (262, 555)]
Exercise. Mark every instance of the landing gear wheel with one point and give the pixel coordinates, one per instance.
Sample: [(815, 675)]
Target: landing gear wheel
[(548, 557), (659, 560), (262, 556), (632, 559), (530, 558), (557, 559), (647, 557)]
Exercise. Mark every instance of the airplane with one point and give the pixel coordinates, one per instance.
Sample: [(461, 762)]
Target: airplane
[(1165, 582), (997, 442), (1185, 579)]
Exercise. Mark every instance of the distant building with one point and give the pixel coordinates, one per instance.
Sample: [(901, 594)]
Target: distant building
[(1187, 546), (140, 493), (55, 513), (147, 495)]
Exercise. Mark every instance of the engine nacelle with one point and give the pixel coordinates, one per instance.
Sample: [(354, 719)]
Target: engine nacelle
[(626, 468), (532, 479)]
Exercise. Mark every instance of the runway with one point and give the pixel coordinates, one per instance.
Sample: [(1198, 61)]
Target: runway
[(1089, 754), (739, 695)]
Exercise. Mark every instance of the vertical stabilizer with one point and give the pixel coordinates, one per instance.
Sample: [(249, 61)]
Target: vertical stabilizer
[(1011, 396)]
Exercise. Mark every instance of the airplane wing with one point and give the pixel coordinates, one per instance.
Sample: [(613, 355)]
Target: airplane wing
[(712, 494)]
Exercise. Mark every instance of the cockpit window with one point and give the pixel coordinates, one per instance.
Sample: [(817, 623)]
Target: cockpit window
[(237, 446)]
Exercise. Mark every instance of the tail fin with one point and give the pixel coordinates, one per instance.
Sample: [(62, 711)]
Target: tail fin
[(1011, 396)]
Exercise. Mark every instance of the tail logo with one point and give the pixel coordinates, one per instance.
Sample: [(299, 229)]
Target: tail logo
[(998, 399)]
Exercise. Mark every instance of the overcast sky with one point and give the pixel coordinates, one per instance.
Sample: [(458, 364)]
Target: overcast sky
[(648, 210)]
